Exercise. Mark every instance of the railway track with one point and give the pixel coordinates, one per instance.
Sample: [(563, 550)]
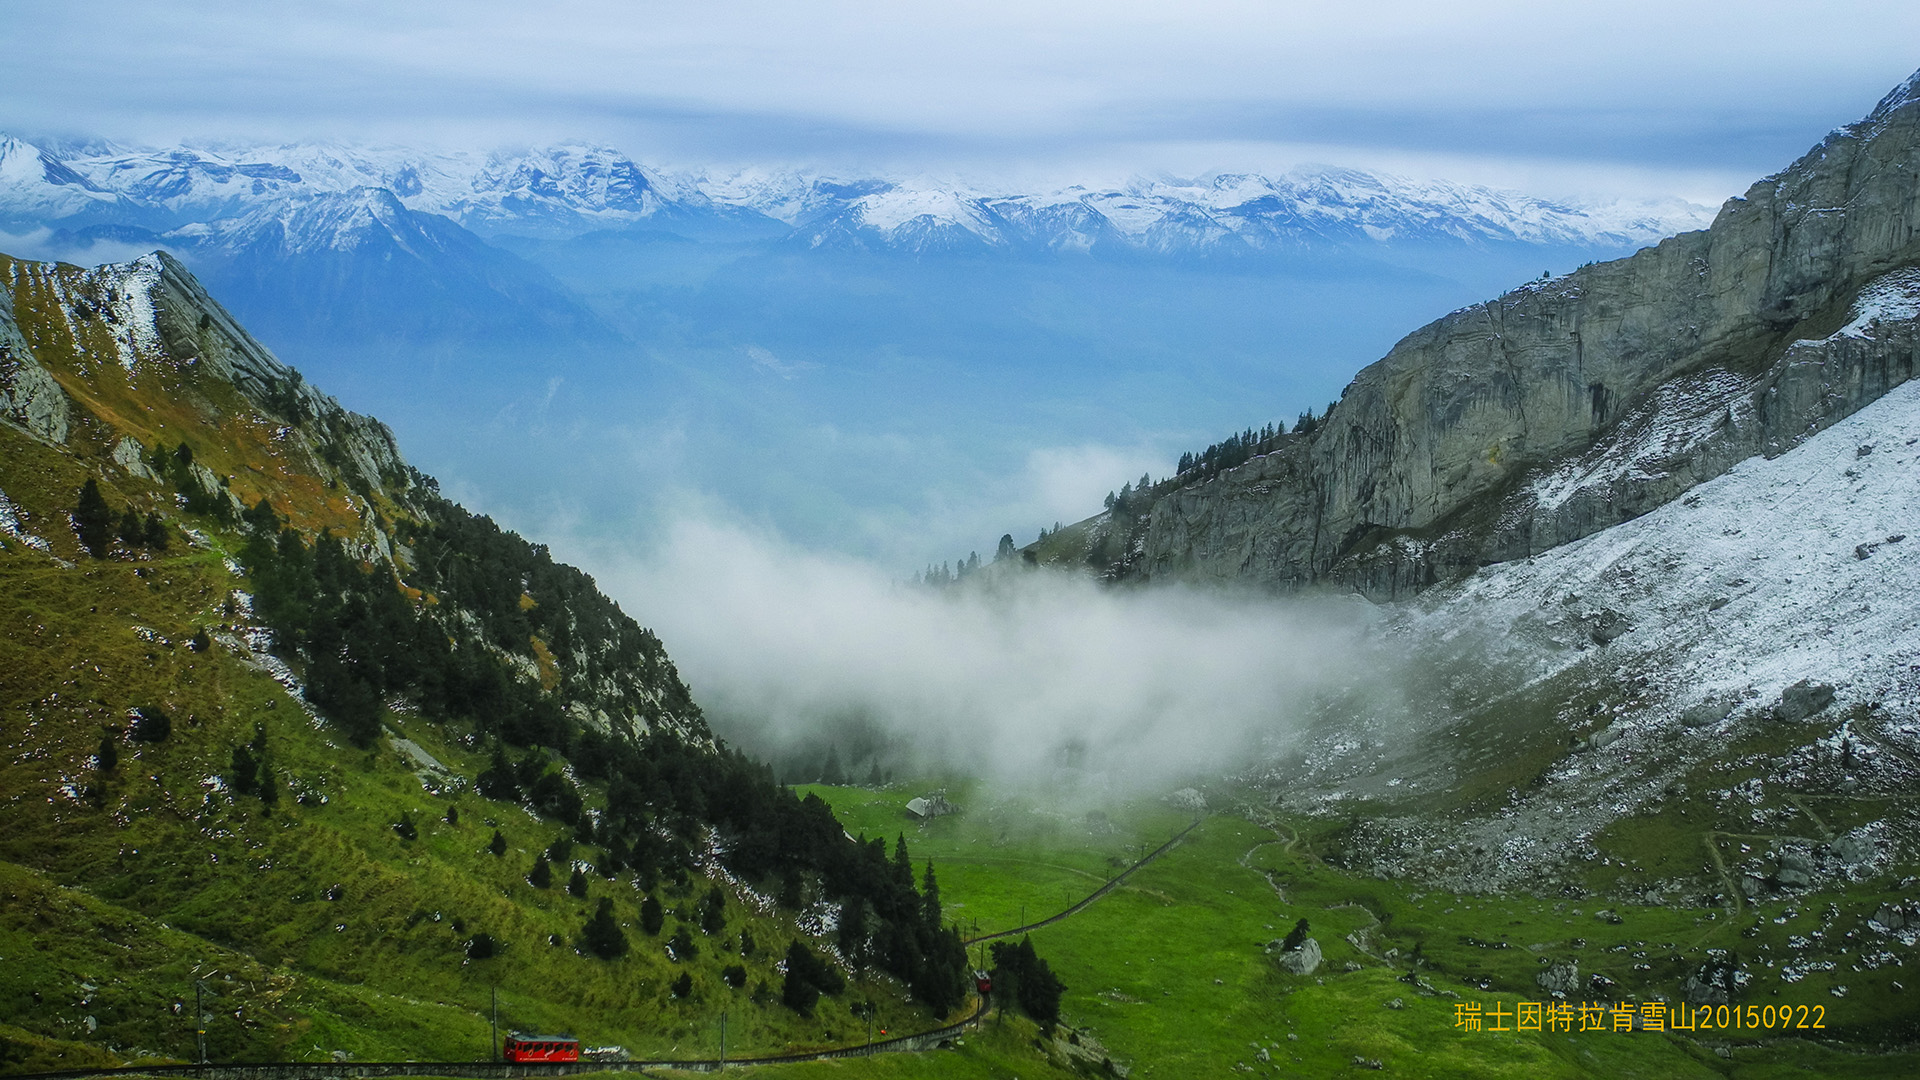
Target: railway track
[(1117, 880), (499, 1070)]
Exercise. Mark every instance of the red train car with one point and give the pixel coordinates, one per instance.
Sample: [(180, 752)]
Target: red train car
[(540, 1048)]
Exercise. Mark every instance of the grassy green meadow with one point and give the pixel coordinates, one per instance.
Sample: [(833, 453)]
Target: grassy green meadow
[(1170, 972)]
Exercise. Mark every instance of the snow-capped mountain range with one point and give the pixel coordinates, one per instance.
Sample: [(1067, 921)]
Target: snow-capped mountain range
[(574, 188)]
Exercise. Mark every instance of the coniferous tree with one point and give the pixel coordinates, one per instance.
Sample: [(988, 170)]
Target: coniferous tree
[(269, 789), (1005, 550), (241, 777), (683, 986), (129, 532), (542, 875), (93, 520), (498, 845), (602, 936), (1296, 937), (577, 884), (713, 911), (108, 757), (1021, 977), (652, 917), (153, 532), (930, 900), (831, 772), (853, 931)]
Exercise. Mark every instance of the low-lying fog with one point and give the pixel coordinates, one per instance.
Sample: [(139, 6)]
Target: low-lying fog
[(1015, 675)]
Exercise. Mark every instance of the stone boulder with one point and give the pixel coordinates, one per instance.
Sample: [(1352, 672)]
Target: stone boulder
[(1803, 699), (1560, 979), (1304, 960)]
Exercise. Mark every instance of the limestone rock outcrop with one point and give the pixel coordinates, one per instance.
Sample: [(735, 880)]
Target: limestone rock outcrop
[(1572, 404)]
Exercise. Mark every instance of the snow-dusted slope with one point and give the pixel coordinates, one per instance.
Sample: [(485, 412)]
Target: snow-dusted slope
[(36, 186), (1708, 633), (576, 187), (568, 188), (1806, 566), (1241, 212)]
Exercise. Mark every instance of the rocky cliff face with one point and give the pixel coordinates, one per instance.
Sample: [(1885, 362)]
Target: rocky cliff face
[(59, 323), (1570, 405)]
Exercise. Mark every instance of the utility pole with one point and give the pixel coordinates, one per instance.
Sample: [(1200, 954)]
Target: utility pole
[(723, 1038), (493, 1051), (869, 1027), (199, 1024)]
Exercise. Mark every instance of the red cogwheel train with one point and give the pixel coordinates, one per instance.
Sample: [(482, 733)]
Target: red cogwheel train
[(540, 1048)]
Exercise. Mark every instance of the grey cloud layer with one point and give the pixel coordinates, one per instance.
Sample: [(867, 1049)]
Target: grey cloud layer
[(1638, 81)]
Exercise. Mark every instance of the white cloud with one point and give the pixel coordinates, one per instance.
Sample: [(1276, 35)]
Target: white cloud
[(1153, 684)]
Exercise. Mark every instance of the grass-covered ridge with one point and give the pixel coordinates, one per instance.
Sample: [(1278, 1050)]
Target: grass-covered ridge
[(350, 760)]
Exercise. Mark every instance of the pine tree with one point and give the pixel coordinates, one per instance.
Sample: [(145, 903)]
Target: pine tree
[(542, 875), (1005, 551), (577, 884), (241, 776), (93, 520), (1295, 937), (831, 772), (130, 528), (652, 918), (108, 757), (498, 845), (853, 930), (602, 936), (930, 900)]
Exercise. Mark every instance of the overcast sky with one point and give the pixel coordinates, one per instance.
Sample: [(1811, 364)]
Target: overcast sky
[(1669, 96)]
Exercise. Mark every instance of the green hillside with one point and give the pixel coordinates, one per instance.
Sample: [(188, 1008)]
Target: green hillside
[(291, 735)]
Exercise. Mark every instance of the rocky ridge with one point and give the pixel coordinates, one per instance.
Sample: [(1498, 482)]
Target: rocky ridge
[(1572, 404)]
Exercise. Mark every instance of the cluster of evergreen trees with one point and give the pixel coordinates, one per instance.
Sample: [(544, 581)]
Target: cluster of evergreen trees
[(1238, 449), (364, 639), (175, 467), (1020, 976), (95, 523)]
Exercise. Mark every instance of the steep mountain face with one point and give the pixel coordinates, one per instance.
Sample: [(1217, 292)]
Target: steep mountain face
[(1572, 404)]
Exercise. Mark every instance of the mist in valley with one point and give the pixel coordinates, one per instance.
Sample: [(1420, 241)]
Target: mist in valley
[(1023, 676)]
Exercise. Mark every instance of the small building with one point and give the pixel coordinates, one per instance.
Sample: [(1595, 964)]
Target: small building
[(931, 805)]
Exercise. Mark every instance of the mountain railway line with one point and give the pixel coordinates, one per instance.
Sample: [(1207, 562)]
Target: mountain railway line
[(504, 1070), (489, 1070)]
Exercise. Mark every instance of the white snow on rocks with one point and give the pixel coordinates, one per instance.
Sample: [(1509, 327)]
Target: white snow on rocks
[(1804, 566), (11, 525)]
